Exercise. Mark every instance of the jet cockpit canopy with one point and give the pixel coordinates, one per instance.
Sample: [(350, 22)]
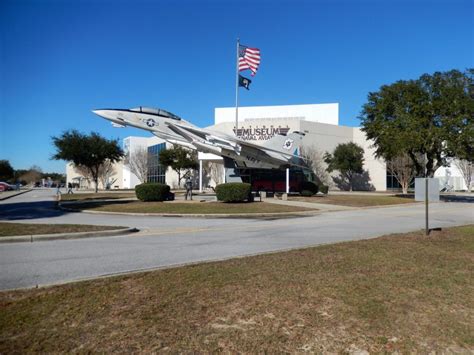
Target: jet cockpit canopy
[(156, 112)]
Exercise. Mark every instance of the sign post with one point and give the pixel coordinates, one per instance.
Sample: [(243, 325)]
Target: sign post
[(427, 189), (427, 197)]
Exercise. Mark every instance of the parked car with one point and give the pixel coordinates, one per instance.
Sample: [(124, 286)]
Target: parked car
[(6, 187)]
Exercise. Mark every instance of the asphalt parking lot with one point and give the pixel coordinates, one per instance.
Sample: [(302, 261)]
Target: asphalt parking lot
[(166, 242)]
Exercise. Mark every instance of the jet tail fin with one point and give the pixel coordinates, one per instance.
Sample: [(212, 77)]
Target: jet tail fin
[(288, 144)]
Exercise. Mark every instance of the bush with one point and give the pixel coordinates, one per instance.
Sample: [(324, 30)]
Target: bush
[(324, 189), (233, 192), (309, 187), (152, 191), (307, 193)]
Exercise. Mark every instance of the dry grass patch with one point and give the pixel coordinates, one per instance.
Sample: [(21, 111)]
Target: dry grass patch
[(355, 200), (11, 229), (404, 293), (187, 207)]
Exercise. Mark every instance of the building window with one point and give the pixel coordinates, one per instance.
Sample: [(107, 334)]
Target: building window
[(393, 184), (156, 172)]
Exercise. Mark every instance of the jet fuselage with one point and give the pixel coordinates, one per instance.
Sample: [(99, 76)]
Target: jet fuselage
[(175, 130)]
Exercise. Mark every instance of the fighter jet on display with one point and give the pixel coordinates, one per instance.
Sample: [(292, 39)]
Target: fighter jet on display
[(278, 152)]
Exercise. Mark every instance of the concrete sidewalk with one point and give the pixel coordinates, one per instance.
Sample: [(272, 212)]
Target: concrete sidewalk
[(4, 195), (319, 206)]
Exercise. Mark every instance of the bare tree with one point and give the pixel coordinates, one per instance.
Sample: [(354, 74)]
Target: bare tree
[(315, 160), (403, 169), (83, 171), (106, 171), (467, 171), (32, 175), (137, 163), (215, 171)]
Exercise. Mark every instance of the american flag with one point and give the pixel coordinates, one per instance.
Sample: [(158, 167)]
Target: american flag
[(249, 58)]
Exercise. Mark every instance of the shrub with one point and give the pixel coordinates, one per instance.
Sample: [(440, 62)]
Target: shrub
[(233, 192), (151, 191), (324, 189), (309, 186), (307, 193)]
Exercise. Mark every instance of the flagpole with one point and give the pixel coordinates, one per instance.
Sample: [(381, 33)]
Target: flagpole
[(237, 89)]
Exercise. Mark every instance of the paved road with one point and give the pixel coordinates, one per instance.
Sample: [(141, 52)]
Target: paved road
[(173, 241)]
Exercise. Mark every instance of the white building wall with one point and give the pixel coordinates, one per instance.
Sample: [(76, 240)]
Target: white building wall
[(324, 113), (376, 168), (325, 137), (74, 177)]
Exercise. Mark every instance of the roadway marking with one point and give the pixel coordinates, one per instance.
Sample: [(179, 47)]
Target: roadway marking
[(170, 231)]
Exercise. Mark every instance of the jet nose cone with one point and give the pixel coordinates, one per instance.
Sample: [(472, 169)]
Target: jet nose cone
[(107, 114), (115, 116), (101, 113)]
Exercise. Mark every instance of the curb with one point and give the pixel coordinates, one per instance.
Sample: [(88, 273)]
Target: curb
[(18, 194), (64, 236), (357, 208), (197, 215)]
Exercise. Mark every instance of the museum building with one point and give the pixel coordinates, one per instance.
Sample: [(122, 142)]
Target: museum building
[(257, 124)]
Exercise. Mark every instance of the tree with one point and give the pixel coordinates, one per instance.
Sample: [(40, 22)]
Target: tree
[(215, 171), (137, 163), (34, 174), (429, 119), (6, 171), (84, 172), (466, 168), (57, 177), (314, 158), (181, 160), (348, 159), (106, 171), (88, 151), (403, 169)]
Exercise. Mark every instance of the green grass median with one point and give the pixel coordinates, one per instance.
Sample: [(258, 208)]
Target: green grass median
[(402, 293)]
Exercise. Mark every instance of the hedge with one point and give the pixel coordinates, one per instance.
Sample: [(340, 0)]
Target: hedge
[(309, 187), (306, 193), (152, 191), (233, 192), (324, 189)]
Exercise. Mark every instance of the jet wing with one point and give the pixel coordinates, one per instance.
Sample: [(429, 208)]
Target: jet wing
[(226, 141), (200, 135)]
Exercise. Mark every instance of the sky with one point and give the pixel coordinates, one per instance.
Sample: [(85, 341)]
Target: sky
[(61, 59)]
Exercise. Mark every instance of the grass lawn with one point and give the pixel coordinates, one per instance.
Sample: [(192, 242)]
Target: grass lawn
[(187, 207), (9, 229), (97, 196), (406, 293), (354, 200)]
